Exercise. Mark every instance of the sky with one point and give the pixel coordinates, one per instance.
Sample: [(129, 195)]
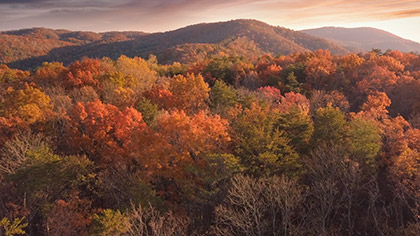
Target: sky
[(399, 17)]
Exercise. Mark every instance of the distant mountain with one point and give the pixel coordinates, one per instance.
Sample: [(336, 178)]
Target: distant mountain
[(27, 44), (359, 39), (30, 47), (235, 38)]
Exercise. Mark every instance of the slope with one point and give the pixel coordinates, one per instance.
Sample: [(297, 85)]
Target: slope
[(365, 38), (191, 43)]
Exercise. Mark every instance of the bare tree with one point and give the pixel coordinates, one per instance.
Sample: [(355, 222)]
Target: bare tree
[(405, 174), (150, 222), (14, 152), (336, 184), (257, 207), (286, 195)]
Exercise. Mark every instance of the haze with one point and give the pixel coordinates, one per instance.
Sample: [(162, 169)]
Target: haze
[(398, 17)]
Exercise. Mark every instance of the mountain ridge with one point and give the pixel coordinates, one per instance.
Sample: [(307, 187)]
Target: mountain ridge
[(364, 38), (28, 48)]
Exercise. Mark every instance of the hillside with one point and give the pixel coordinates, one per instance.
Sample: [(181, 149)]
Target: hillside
[(265, 38), (33, 44), (235, 38), (358, 39)]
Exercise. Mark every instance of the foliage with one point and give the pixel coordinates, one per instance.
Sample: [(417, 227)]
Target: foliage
[(69, 217), (47, 176), (298, 127), (222, 97), (302, 144), (29, 104), (13, 228), (110, 223), (82, 73), (102, 131), (330, 126), (364, 140), (262, 147), (190, 93), (9, 75), (148, 110), (191, 135)]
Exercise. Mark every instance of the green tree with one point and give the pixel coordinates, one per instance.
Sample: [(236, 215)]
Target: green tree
[(46, 177), (298, 127), (364, 140), (148, 110), (222, 97), (291, 84), (220, 68), (262, 148), (330, 126)]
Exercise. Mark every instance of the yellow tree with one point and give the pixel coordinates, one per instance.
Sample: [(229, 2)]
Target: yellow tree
[(29, 104), (8, 75), (125, 80), (136, 72), (190, 93)]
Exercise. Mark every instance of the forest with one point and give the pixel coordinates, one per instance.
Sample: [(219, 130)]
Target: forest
[(303, 144)]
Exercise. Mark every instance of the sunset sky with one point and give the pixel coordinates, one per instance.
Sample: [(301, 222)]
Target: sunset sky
[(399, 17)]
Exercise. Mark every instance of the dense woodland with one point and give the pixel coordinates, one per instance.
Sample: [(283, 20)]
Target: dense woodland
[(304, 144)]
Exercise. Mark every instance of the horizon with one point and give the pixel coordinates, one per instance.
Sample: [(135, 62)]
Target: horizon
[(142, 31), (396, 17)]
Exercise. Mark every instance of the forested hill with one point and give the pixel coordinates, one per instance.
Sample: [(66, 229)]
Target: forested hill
[(28, 48)]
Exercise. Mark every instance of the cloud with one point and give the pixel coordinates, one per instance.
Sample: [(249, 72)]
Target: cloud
[(54, 4), (405, 14), (20, 1), (154, 15)]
